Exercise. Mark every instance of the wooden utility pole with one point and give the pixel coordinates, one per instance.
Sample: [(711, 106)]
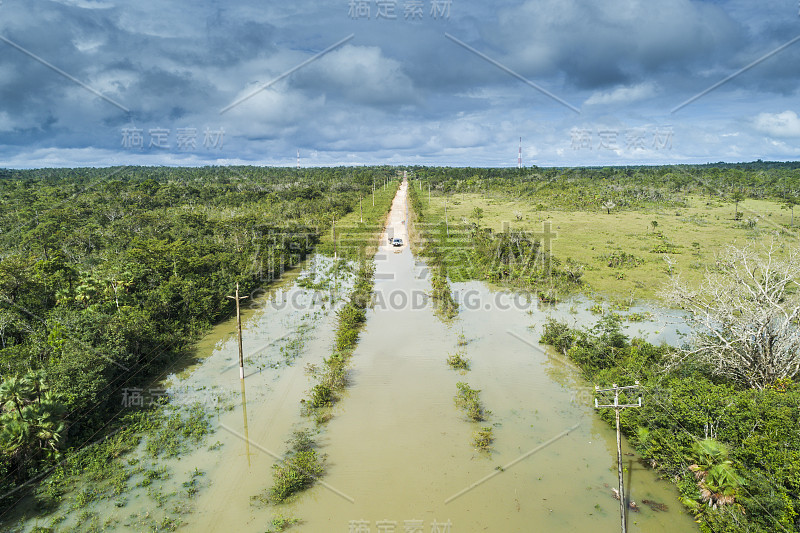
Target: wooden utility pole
[(447, 224), (239, 330), (246, 432), (617, 407)]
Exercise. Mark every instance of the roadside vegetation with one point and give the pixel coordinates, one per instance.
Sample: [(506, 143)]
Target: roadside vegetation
[(331, 377), (431, 239), (721, 415), (302, 464), (458, 361)]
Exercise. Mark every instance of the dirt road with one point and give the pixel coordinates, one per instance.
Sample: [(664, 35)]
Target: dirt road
[(397, 225)]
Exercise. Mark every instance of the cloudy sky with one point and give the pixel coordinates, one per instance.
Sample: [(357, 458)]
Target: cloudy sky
[(437, 82)]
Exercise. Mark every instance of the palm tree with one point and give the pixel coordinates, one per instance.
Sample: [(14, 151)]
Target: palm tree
[(33, 422), (38, 382), (716, 477), (15, 439), (15, 391)]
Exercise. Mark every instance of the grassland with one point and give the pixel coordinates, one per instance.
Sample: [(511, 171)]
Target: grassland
[(687, 237)]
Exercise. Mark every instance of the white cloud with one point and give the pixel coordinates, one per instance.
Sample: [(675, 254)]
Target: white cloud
[(6, 122), (786, 124), (622, 95), (363, 74)]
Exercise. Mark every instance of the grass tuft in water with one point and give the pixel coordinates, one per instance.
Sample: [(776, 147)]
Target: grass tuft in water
[(469, 400), (300, 468), (457, 361), (483, 438), (281, 523)]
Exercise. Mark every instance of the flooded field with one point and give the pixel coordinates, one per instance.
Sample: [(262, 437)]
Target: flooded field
[(399, 451)]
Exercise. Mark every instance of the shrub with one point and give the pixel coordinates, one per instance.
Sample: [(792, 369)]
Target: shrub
[(483, 438), (458, 362), (296, 473), (299, 469), (469, 400)]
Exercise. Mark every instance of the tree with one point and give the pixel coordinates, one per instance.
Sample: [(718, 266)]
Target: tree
[(15, 393), (737, 196), (717, 479), (745, 316), (31, 419), (609, 205), (654, 223), (788, 203)]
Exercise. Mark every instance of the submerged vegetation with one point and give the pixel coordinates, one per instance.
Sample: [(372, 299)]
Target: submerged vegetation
[(458, 361), (731, 450), (300, 468), (431, 239), (483, 438), (332, 377), (303, 464), (108, 276), (469, 400)]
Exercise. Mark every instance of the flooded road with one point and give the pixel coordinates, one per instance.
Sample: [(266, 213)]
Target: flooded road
[(400, 453)]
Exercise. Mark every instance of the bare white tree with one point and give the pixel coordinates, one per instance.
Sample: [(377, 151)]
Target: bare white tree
[(609, 205), (745, 315)]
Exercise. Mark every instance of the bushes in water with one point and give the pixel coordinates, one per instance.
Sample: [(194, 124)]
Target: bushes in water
[(351, 318), (757, 487), (301, 466), (457, 361), (469, 400), (483, 438)]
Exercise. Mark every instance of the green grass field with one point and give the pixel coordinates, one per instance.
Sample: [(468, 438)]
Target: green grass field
[(691, 236)]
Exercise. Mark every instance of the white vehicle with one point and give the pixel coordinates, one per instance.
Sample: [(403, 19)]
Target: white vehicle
[(397, 242)]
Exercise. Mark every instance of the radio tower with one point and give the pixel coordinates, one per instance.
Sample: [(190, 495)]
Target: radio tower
[(519, 157), (298, 159)]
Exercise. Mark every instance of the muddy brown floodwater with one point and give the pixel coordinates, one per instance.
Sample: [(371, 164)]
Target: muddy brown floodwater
[(400, 453)]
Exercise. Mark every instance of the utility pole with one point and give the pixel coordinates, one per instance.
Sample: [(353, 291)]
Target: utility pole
[(246, 433), (360, 210), (617, 407), (445, 214), (239, 329), (334, 236), (373, 192)]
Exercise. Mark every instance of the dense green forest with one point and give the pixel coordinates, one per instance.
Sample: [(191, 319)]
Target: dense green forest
[(107, 277)]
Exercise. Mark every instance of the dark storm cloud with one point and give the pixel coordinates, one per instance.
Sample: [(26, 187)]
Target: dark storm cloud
[(399, 88)]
